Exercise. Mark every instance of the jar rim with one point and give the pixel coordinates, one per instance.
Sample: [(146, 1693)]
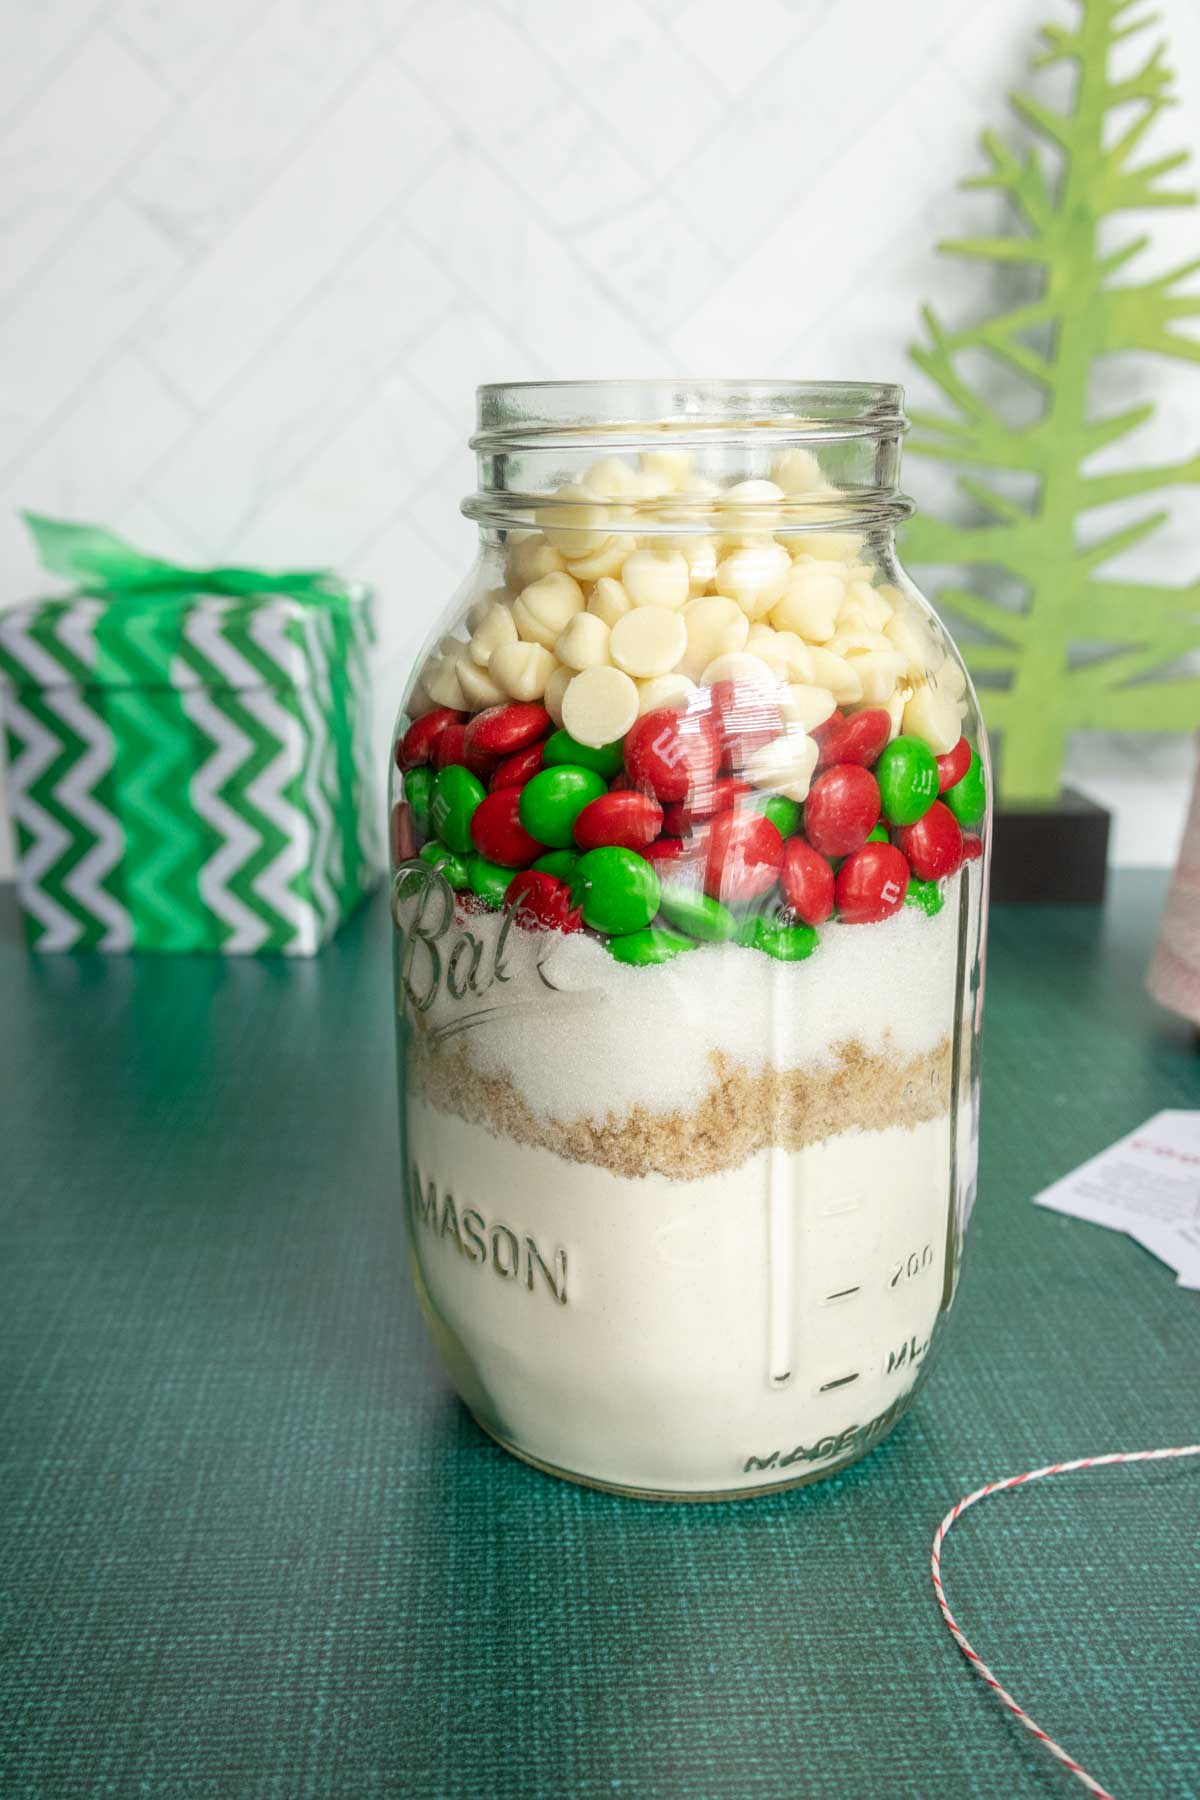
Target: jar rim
[(511, 413)]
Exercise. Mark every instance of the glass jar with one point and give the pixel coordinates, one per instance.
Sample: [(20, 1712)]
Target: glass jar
[(689, 839)]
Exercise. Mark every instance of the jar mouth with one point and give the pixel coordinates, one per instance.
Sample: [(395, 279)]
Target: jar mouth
[(537, 441), (512, 413)]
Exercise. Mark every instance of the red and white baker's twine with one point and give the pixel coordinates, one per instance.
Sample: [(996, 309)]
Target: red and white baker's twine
[(972, 1655)]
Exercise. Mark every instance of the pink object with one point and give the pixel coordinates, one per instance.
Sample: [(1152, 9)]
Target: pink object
[(959, 1636)]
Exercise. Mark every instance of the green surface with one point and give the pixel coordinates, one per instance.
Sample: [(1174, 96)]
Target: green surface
[(249, 1545)]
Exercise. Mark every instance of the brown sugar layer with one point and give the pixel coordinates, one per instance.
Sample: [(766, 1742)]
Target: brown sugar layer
[(741, 1113)]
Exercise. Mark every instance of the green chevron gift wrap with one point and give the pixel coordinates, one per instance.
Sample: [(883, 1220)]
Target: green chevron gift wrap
[(188, 770)]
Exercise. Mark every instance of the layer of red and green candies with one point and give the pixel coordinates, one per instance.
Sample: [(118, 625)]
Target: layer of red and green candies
[(654, 844)]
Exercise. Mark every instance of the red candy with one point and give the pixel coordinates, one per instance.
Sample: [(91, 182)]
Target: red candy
[(497, 832), (631, 819), (972, 848), (871, 884), (680, 818), (664, 850), (516, 770), (934, 845), (404, 832), (542, 902), (842, 809), (743, 856), (859, 739), (807, 881), (502, 730), (672, 754), (416, 745), (954, 765)]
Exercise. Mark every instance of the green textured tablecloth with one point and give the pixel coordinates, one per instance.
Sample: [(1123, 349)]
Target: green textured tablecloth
[(249, 1545)]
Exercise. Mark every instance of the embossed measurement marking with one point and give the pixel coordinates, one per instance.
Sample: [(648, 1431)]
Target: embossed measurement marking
[(827, 1387), (842, 1294)]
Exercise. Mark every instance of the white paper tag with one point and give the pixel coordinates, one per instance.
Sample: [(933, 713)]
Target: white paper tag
[(1146, 1184)]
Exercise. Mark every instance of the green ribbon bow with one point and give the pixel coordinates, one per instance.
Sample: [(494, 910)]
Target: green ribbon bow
[(104, 566)]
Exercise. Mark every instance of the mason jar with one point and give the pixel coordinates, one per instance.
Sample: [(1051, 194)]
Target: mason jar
[(689, 863)]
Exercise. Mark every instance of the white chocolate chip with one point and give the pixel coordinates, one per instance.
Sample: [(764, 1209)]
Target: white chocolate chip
[(949, 677), (522, 670), (836, 546), (496, 627), (419, 702), (740, 666), (478, 686), (529, 558), (656, 577), (664, 690), (808, 706), (599, 706), (785, 765), (865, 604), (796, 471), (578, 521), (650, 640), (611, 478), (479, 609), (879, 671), (700, 555), (584, 642), (609, 601), (837, 674), (912, 637), (556, 687), (541, 610), (783, 651), (670, 469), (854, 639), (809, 605), (440, 680), (609, 559), (932, 714), (755, 575), (714, 625)]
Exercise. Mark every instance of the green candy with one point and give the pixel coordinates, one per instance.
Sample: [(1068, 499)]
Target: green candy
[(786, 943), (967, 799), (456, 794), (650, 945), (551, 802), (697, 914), (418, 791), (926, 895), (878, 834), (559, 863), (783, 813), (907, 774), (451, 866), (616, 888), (489, 880), (605, 759)]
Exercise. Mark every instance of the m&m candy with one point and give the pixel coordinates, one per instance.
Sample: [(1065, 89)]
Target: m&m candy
[(652, 944), (859, 739), (605, 759), (616, 888), (967, 799), (418, 791), (488, 880), (456, 795), (681, 817), (403, 832), (783, 941), (557, 862), (807, 882), (417, 743), (841, 810), (502, 730), (672, 754), (927, 896), (784, 814), (453, 867), (907, 775), (743, 856), (553, 800), (541, 902), (697, 914), (933, 845), (664, 851), (953, 765), (871, 883), (516, 770), (628, 818), (497, 832)]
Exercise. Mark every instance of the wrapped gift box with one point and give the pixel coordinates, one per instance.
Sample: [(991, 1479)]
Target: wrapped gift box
[(188, 770)]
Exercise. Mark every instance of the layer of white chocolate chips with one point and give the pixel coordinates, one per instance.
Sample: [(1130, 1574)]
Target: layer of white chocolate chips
[(602, 625)]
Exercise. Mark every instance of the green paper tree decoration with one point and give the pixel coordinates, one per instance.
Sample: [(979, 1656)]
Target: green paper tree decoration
[(1080, 652)]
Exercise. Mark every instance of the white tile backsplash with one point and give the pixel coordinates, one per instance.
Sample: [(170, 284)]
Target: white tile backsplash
[(257, 254)]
